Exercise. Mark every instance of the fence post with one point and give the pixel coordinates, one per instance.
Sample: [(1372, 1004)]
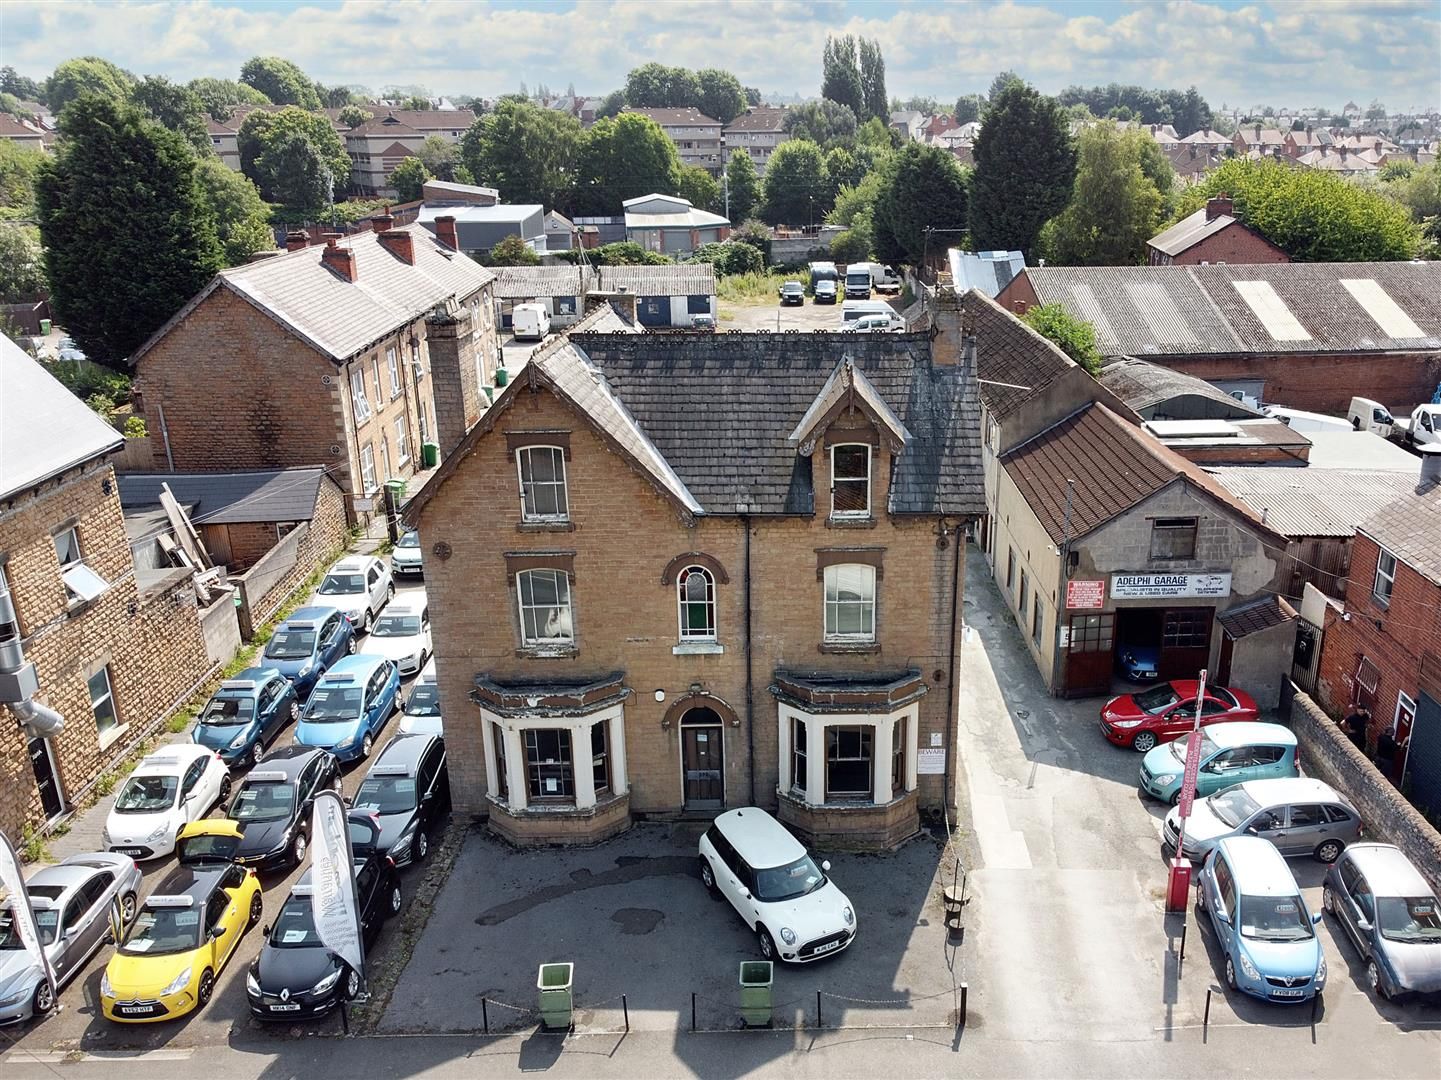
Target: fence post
[(625, 1008), (819, 1021), (692, 1011), (965, 994), (1206, 1020), (485, 1015), (1184, 927)]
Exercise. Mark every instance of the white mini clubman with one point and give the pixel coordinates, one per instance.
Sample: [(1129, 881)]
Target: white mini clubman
[(796, 911)]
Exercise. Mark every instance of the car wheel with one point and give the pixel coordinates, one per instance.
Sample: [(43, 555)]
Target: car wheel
[(207, 987), (390, 591), (350, 645), (256, 753), (768, 946), (1176, 799), (1373, 979), (1230, 973), (294, 711), (44, 999), (257, 909), (225, 786), (421, 848), (128, 904), (1328, 900), (365, 745), (707, 876), (369, 621), (1143, 742), (352, 985), (1328, 851), (337, 785), (395, 899), (297, 849)]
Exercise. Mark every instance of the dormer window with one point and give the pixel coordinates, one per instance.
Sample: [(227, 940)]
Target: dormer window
[(850, 480)]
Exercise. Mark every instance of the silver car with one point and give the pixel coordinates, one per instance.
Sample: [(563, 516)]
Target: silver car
[(1391, 916), (72, 903), (1301, 816)]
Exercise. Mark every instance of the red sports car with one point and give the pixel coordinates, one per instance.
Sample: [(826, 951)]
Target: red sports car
[(1167, 711)]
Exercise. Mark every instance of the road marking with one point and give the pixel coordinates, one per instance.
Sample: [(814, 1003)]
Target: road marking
[(80, 1057)]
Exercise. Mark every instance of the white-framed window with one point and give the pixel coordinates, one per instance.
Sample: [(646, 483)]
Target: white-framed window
[(102, 702), (367, 468), (392, 362), (849, 762), (423, 417), (417, 369), (1385, 578), (899, 745), (695, 593), (850, 480), (850, 602), (375, 370), (549, 765), (542, 483), (402, 442), (385, 469), (600, 757), (798, 754), (545, 613), (81, 582), (358, 401)]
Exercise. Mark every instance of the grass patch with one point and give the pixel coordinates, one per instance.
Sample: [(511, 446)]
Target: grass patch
[(752, 288)]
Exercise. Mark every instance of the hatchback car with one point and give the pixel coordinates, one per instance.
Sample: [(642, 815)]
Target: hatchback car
[(793, 292), (422, 707), (359, 585), (186, 931), (1160, 714), (72, 903), (246, 714), (1266, 933), (703, 322), (1301, 816), (402, 634), (405, 557), (273, 805), (1391, 916), (303, 647), (825, 292), (796, 911), (349, 705), (168, 789), (408, 791), (1138, 663), (1230, 754)]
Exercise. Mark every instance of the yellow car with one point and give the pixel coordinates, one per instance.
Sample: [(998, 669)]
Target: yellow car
[(183, 935)]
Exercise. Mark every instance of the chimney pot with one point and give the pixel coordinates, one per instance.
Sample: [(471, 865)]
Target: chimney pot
[(339, 259), (382, 221), (294, 241), (1220, 204), (400, 243)]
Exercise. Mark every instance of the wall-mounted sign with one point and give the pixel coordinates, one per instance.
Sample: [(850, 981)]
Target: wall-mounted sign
[(1163, 586), (1082, 595), (930, 762)]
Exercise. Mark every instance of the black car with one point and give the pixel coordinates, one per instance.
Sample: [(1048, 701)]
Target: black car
[(295, 976), (273, 805), (408, 791), (793, 292)]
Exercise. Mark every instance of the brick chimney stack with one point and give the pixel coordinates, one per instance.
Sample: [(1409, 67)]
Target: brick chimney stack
[(339, 259), (400, 243), (294, 241), (445, 232), (1220, 204), (382, 221)]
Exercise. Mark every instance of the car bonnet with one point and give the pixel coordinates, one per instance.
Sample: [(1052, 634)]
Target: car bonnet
[(814, 915)]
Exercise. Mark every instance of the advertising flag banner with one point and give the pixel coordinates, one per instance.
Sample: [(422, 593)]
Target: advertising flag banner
[(333, 903), (17, 899), (1193, 764)]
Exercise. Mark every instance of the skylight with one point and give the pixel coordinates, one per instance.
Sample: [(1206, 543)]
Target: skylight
[(1384, 311), (1275, 316)]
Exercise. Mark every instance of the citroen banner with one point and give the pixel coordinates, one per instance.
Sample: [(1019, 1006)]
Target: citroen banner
[(333, 903), (16, 899)]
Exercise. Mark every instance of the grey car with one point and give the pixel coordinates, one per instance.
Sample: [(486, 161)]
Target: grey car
[(1301, 816), (1391, 916), (72, 903)]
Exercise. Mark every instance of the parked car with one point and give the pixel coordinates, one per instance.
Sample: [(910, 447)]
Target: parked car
[(405, 557), (793, 292), (1265, 931), (72, 903), (529, 322), (421, 715), (1372, 416), (1138, 663), (702, 322), (1421, 428), (1230, 753), (186, 931), (1301, 816), (303, 647), (877, 324), (274, 802), (69, 351), (1391, 916), (825, 291), (349, 706), (408, 790), (245, 714), (402, 634), (359, 585), (796, 911), (1160, 714), (168, 789), (296, 977)]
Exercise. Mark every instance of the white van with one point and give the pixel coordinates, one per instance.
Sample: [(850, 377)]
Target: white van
[(529, 322), (1372, 416), (858, 280), (885, 279), (852, 310), (1301, 420)]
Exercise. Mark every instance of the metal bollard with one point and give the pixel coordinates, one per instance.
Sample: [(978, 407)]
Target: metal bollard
[(1315, 1005), (1184, 927), (692, 1010), (965, 993), (1206, 1020), (485, 1016), (625, 1008), (819, 1021)]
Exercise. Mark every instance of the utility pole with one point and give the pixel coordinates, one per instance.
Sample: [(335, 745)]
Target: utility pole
[(726, 184)]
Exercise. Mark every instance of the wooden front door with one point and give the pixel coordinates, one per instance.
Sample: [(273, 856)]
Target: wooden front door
[(1090, 653), (1185, 642), (47, 780), (1223, 666), (703, 766)]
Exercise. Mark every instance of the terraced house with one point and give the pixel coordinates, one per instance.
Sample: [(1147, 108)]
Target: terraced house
[(671, 574)]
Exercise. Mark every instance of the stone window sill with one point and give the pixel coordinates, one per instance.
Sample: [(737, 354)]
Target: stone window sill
[(850, 647), (107, 738), (698, 648), (547, 652), (867, 522), (545, 527)]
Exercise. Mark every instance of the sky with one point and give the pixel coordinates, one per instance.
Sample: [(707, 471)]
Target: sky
[(1287, 53)]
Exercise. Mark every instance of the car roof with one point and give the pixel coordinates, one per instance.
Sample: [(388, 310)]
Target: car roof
[(1387, 870), (352, 564), (171, 759), (290, 760), (308, 617), (759, 838), (250, 679), (63, 877), (427, 673), (402, 751), (1292, 789), (1260, 868), (405, 605), (1249, 733), (360, 665), (197, 882)]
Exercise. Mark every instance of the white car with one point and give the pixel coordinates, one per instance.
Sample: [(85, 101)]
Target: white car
[(169, 789), (402, 634), (422, 707), (405, 558), (796, 911), (359, 585), (877, 324)]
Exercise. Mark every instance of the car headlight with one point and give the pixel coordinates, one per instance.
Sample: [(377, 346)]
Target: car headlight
[(177, 984), (1248, 967), (157, 834), (405, 838), (239, 740), (1125, 723), (14, 999), (848, 915), (305, 669), (326, 983), (1321, 972), (343, 743), (252, 984), (105, 836), (788, 935), (105, 988), (1167, 780)]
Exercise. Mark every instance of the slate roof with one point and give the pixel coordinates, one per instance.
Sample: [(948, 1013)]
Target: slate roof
[(1410, 528), (230, 498), (384, 125), (523, 282), (1313, 501), (1142, 385), (685, 279), (1013, 362), (1262, 613), (605, 319)]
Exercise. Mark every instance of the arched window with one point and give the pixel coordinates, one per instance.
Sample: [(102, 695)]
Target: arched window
[(695, 589)]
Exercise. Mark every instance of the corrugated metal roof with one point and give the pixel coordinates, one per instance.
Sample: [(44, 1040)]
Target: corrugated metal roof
[(228, 498), (683, 279), (1256, 615), (1143, 385), (523, 282), (687, 219), (1313, 502)]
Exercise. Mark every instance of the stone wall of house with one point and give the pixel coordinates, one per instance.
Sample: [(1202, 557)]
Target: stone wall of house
[(310, 547)]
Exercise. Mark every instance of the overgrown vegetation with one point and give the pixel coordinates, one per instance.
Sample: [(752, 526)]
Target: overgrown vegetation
[(752, 288), (1075, 337)]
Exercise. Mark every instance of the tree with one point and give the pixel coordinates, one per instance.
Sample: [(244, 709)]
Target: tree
[(1419, 190), (526, 152), (1075, 337), (921, 187), (440, 156), (841, 75), (22, 263), (128, 236), (624, 253), (175, 107), (721, 95), (622, 159), (512, 251), (797, 190), (757, 234), (656, 86), (281, 81), (19, 166), (12, 82), (260, 136), (999, 83), (352, 116), (699, 188), (1025, 165), (843, 166), (409, 179), (823, 122), (338, 97), (855, 244), (730, 258), (1114, 206), (242, 220), (219, 97), (873, 80), (86, 75), (743, 186), (300, 177), (753, 96), (968, 108), (613, 104), (1376, 110)]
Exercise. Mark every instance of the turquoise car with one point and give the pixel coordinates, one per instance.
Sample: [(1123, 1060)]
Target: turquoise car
[(1230, 754), (349, 706)]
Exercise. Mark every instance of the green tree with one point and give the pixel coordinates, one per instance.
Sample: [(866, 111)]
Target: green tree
[(526, 152), (512, 251), (1075, 337), (841, 75), (825, 123), (219, 97), (856, 244), (120, 197), (1376, 110), (1114, 208), (300, 177), (999, 83), (699, 188), (968, 108), (921, 187), (22, 263), (409, 179), (743, 186), (1025, 165), (721, 95), (843, 167), (753, 97), (873, 80), (622, 159), (261, 134), (281, 81), (86, 75), (730, 258), (440, 156), (657, 86), (13, 83), (175, 107), (797, 190), (338, 97), (756, 233), (352, 116), (19, 166), (242, 220), (613, 104), (416, 103), (854, 201)]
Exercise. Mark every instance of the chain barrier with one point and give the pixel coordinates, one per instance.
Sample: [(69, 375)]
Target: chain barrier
[(891, 1001)]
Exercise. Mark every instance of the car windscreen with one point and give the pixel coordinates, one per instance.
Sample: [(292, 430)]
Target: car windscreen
[(1156, 699), (1274, 918), (1178, 748), (46, 920), (335, 703), (424, 701), (341, 585), (291, 645), (1412, 919), (385, 794), (396, 626), (790, 881), (263, 800), (1233, 805), (294, 927), (147, 794), (158, 931), (228, 710), (409, 540), (1225, 697)]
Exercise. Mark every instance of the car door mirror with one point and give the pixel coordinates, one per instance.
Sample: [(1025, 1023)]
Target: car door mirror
[(215, 932), (826, 865), (265, 930), (1316, 919), (1220, 912), (1254, 830)]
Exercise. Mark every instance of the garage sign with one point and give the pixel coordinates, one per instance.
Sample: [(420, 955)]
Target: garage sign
[(1085, 595), (1165, 586)]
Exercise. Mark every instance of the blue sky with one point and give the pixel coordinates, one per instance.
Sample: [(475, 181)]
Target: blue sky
[(1294, 53)]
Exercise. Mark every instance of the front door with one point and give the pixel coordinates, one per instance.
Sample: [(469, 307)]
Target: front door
[(47, 778), (703, 766), (1090, 652), (1223, 667)]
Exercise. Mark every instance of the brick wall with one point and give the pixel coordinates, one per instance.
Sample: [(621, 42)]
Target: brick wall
[(246, 542), (1234, 244), (1324, 382), (294, 559)]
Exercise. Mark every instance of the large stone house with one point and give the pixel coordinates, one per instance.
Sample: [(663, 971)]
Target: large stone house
[(675, 574), (757, 131)]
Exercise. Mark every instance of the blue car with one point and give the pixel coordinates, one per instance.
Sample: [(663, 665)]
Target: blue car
[(1138, 663), (349, 705), (1231, 753), (305, 645), (246, 714)]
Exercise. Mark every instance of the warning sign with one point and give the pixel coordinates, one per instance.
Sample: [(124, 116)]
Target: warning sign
[(1085, 595)]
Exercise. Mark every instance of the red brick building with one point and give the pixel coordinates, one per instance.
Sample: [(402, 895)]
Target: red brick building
[(1213, 234)]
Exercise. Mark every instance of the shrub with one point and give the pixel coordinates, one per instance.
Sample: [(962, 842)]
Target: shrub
[(730, 258), (1075, 337)]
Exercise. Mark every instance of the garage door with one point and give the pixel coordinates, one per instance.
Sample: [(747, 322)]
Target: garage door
[(1089, 658), (1185, 642), (653, 310)]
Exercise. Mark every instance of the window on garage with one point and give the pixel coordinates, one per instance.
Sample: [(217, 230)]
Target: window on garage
[(1186, 629), (1173, 538)]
